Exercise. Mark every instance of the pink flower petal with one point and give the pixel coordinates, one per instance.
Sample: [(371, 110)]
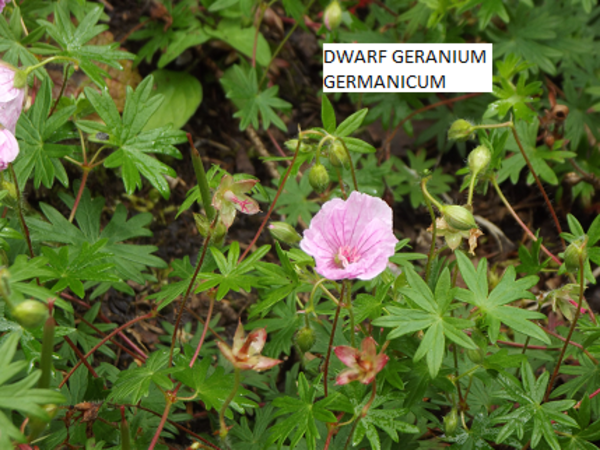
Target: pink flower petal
[(265, 363), (257, 338), (347, 355), (352, 238), (9, 148), (380, 362), (226, 352), (239, 339), (369, 347), (347, 376)]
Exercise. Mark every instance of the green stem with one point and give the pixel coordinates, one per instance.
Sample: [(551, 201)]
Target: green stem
[(328, 355), (428, 196), (24, 227), (201, 180), (125, 437), (46, 354), (571, 330), (471, 188), (348, 305), (431, 255), (236, 383), (352, 171), (30, 69)]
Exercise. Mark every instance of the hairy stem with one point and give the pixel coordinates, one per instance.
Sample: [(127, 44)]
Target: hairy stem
[(571, 330), (201, 180), (520, 222), (24, 227), (236, 383), (431, 255), (538, 182), (328, 355)]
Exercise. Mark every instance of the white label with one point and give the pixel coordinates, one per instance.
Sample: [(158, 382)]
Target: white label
[(407, 68)]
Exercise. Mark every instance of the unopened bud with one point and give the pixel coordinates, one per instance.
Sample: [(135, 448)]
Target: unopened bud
[(203, 226), (460, 130), (20, 80), (284, 232), (305, 338), (292, 144), (459, 217), (575, 251), (337, 155), (476, 356), (451, 422), (332, 17), (479, 159), (30, 313), (9, 187), (319, 178)]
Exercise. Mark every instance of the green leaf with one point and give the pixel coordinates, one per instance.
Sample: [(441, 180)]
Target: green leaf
[(181, 94), (327, 115), (242, 39), (241, 86), (133, 146), (72, 41), (351, 124)]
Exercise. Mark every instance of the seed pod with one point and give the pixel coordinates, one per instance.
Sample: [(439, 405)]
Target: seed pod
[(304, 147), (459, 217), (332, 17), (338, 156), (30, 313), (284, 232), (451, 422), (575, 251), (319, 178), (305, 338), (479, 159), (476, 356), (460, 130)]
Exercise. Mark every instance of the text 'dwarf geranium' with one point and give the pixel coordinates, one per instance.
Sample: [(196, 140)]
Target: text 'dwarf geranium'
[(352, 238)]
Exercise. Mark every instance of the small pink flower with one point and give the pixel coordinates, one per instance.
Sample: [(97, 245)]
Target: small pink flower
[(11, 98), (2, 5), (245, 353), (364, 364), (352, 238), (9, 148), (230, 196)]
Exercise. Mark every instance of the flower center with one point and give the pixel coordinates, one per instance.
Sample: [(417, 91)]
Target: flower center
[(346, 256), (243, 204)]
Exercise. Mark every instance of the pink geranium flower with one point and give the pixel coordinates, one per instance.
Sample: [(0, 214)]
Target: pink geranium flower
[(231, 197), (364, 364), (9, 148), (352, 238), (11, 97), (2, 5), (245, 353)]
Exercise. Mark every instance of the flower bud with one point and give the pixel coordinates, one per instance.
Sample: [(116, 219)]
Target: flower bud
[(332, 17), (203, 226), (293, 143), (459, 217), (318, 178), (305, 338), (451, 422), (460, 130), (284, 232), (20, 81), (575, 251), (9, 186), (479, 159), (476, 356), (30, 313), (337, 155)]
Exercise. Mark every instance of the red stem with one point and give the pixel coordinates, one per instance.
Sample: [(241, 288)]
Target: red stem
[(279, 190), (84, 178), (104, 319), (328, 356), (103, 341), (81, 356), (161, 425), (277, 146)]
